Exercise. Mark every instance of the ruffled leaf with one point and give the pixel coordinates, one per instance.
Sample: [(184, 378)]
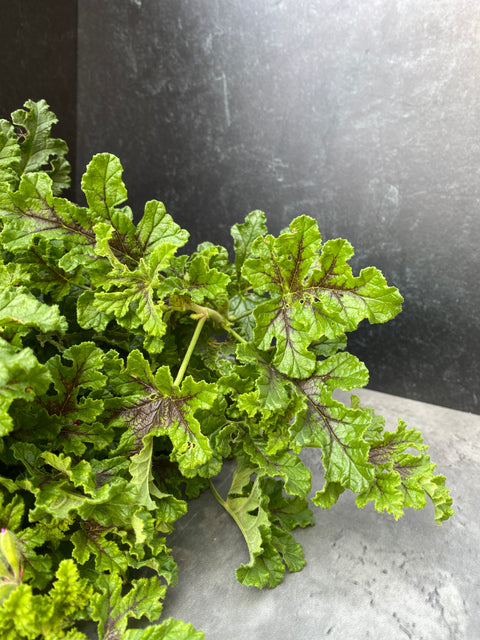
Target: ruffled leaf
[(113, 611), (9, 153), (38, 150), (27, 615), (286, 465), (103, 186), (21, 377), (170, 629), (33, 210), (83, 373), (274, 389), (312, 295), (18, 307), (166, 409), (157, 227), (402, 479), (336, 429), (255, 225), (271, 547)]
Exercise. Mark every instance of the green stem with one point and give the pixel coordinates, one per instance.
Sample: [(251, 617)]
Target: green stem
[(242, 315), (191, 347), (217, 495), (224, 504), (233, 333)]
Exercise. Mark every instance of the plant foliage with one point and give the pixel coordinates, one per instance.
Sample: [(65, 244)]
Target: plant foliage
[(130, 371)]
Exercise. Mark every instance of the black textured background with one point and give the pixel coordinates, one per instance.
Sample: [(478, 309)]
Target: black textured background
[(362, 114), (38, 59)]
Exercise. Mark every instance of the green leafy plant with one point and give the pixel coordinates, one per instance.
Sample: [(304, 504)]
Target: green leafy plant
[(130, 372)]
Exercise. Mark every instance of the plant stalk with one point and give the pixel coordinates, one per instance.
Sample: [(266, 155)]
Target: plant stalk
[(233, 333), (191, 347), (216, 317), (218, 497)]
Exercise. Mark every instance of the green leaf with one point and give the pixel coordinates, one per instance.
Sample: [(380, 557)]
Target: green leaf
[(69, 380), (38, 151), (92, 540), (326, 347), (244, 234), (165, 409), (21, 377), (19, 307), (18, 616), (270, 547), (196, 280), (157, 227), (289, 329), (251, 517), (204, 282), (114, 504), (243, 300), (56, 498), (104, 189), (11, 514), (311, 295), (190, 447), (336, 429), (141, 472), (329, 495), (33, 210), (9, 153), (286, 465), (81, 474), (439, 494), (402, 479), (142, 478), (263, 570), (288, 512), (88, 315), (129, 295), (290, 551), (70, 593), (274, 389), (105, 192), (241, 309), (113, 611), (39, 269), (341, 371), (279, 265), (28, 616), (170, 629), (349, 298)]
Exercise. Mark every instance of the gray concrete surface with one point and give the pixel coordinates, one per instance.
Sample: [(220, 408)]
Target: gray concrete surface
[(367, 576)]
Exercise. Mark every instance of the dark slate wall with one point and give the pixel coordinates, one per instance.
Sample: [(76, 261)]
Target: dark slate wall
[(364, 115), (38, 59)]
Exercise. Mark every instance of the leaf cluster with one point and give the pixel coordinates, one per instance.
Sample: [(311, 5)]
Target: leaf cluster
[(130, 372)]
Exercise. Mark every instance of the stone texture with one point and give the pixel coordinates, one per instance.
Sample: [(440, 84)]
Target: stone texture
[(367, 576), (364, 115)]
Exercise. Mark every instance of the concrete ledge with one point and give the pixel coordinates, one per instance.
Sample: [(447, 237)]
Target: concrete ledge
[(367, 576)]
